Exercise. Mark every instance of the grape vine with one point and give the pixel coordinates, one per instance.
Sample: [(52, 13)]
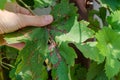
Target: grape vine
[(47, 54)]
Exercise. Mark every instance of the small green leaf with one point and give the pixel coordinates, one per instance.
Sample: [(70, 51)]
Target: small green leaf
[(112, 67), (114, 20), (67, 53)]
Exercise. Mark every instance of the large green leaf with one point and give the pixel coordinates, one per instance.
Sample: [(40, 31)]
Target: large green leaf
[(108, 44), (78, 33), (114, 20), (31, 57), (113, 4), (73, 35)]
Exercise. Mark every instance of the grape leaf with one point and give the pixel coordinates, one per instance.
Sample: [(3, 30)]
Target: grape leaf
[(113, 4), (108, 45), (102, 76), (114, 20), (86, 32), (89, 50), (95, 71), (78, 72), (78, 33), (18, 36), (62, 11), (66, 27), (62, 71), (32, 56), (67, 53), (63, 18), (73, 35)]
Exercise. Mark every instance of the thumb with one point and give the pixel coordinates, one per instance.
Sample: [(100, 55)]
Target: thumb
[(29, 20), (10, 22)]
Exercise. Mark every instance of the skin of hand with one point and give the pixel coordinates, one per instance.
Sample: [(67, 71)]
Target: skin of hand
[(15, 17)]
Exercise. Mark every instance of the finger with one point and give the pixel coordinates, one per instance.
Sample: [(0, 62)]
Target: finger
[(35, 20), (14, 7), (22, 10), (10, 22)]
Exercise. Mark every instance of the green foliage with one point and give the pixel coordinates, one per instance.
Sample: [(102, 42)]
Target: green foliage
[(78, 72), (90, 50), (18, 36), (48, 49), (63, 71), (108, 45), (95, 72), (64, 19), (66, 51), (34, 54), (113, 4), (114, 20)]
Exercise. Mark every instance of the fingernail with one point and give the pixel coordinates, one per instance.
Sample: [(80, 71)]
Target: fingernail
[(49, 18)]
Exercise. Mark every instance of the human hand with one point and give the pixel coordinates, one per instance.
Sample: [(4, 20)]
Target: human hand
[(15, 17)]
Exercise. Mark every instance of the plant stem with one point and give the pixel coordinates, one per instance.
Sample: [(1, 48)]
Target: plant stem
[(27, 7)]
